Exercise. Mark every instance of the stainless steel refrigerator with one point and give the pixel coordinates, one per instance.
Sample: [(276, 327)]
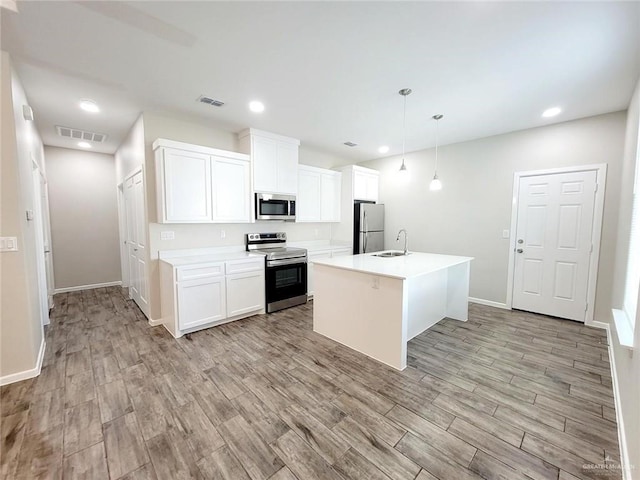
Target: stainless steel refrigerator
[(368, 229)]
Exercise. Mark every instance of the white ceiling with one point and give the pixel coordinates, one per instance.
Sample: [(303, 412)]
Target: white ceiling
[(328, 72)]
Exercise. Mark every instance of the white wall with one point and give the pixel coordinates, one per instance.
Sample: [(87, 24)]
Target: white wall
[(84, 217), (627, 365), (468, 216), (20, 314), (130, 154)]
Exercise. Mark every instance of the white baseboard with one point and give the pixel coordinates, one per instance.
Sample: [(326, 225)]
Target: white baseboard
[(155, 323), (87, 287), (34, 372), (622, 438), (598, 324), (489, 303)]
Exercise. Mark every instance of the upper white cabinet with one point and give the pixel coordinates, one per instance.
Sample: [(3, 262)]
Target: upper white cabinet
[(198, 184), (330, 183), (365, 184), (318, 195), (187, 186), (231, 190), (274, 159)]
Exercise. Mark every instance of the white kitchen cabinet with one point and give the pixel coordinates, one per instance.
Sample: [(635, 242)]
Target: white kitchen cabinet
[(197, 293), (186, 186), (318, 195), (274, 159), (365, 184), (330, 196), (245, 293), (309, 195), (231, 190), (264, 155), (201, 301), (196, 184)]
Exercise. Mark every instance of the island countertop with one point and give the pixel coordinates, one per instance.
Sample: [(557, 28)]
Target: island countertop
[(402, 267)]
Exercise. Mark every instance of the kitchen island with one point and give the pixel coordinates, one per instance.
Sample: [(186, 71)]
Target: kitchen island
[(375, 305)]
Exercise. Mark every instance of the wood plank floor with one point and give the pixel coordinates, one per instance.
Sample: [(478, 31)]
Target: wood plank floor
[(506, 395)]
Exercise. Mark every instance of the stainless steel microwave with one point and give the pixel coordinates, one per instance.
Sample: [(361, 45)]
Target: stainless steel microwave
[(271, 206)]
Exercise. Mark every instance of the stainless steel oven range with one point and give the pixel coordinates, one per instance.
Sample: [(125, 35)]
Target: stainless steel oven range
[(286, 269)]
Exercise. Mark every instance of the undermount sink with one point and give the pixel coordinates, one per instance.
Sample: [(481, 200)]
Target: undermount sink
[(391, 254)]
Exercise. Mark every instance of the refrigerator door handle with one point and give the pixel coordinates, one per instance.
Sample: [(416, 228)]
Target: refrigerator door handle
[(366, 233)]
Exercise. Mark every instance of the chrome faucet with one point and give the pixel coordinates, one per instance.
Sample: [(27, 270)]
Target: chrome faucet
[(406, 240)]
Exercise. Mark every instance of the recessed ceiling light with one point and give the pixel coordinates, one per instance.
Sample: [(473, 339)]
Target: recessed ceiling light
[(84, 144), (383, 149), (256, 106), (89, 105), (551, 112)]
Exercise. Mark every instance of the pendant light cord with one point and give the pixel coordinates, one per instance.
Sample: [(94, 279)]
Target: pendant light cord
[(435, 171), (404, 122)]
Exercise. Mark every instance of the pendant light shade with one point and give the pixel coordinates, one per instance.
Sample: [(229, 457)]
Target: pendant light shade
[(436, 184), (403, 168)]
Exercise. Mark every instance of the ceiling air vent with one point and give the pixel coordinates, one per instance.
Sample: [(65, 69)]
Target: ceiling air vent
[(78, 134), (350, 144), (210, 101)]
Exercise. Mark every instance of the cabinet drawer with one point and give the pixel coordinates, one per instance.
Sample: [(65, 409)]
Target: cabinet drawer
[(245, 265), (200, 271)]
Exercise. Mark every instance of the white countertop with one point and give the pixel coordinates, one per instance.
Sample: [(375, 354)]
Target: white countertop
[(209, 258), (412, 265)]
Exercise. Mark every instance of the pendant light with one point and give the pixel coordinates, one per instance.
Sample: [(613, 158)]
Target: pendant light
[(404, 92), (436, 184)]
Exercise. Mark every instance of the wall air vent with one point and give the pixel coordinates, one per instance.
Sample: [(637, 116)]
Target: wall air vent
[(350, 144), (210, 101), (78, 134)]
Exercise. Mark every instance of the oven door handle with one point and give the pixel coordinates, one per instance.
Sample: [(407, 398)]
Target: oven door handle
[(288, 261)]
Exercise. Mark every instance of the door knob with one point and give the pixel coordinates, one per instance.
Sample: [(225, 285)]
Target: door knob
[(519, 250)]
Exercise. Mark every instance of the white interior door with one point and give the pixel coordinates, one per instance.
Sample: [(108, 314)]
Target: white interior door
[(136, 240), (554, 243), (122, 226), (41, 244)]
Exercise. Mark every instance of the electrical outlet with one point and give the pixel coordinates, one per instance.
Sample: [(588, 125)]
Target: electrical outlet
[(223, 234), (167, 235), (316, 231), (8, 244), (376, 283)]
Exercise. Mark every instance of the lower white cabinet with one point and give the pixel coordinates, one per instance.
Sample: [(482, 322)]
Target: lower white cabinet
[(242, 293), (201, 301), (202, 295)]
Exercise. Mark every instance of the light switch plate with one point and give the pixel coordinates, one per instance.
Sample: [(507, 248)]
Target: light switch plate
[(505, 233), (167, 235), (8, 244)]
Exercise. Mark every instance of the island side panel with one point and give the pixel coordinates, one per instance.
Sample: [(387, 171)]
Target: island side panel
[(458, 291), (427, 301), (365, 312)]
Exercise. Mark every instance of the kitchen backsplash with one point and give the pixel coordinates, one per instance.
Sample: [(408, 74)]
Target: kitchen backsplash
[(232, 234)]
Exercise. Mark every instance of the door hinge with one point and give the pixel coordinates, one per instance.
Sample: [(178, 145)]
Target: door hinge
[(596, 189), (586, 306), (591, 249)]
